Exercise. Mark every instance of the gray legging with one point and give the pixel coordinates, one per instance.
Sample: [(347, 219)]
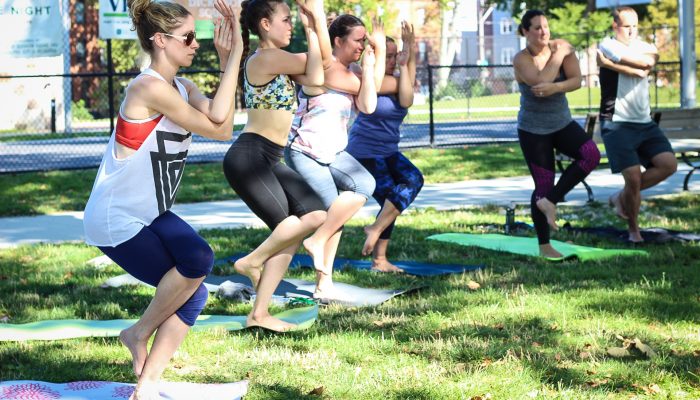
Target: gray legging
[(345, 173)]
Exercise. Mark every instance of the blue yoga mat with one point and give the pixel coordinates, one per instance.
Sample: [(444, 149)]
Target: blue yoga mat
[(409, 267)]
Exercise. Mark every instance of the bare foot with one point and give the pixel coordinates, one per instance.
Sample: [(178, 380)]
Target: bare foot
[(138, 348), (546, 250), (635, 237), (268, 322), (614, 201), (245, 268), (550, 211), (372, 237), (146, 392), (328, 291), (383, 265), (315, 250)]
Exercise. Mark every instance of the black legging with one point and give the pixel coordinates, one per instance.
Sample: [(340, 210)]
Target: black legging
[(538, 150), (269, 188)]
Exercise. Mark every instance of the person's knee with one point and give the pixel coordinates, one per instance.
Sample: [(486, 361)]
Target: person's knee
[(590, 156), (416, 181), (365, 186), (197, 261), (189, 311), (633, 179), (670, 166), (314, 218)]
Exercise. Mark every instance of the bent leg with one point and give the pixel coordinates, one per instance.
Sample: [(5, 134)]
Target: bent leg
[(538, 151)]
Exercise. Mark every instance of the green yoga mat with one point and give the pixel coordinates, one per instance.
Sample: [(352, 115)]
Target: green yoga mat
[(75, 328), (528, 246)]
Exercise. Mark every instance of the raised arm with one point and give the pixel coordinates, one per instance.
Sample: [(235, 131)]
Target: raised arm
[(620, 53), (572, 71), (313, 73), (377, 42), (527, 72), (604, 62), (366, 99), (407, 65), (228, 44), (314, 9)]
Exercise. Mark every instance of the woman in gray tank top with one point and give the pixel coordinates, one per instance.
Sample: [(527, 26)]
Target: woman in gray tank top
[(545, 70)]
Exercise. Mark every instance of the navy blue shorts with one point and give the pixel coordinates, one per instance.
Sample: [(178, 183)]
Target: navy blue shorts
[(628, 144), (166, 243)]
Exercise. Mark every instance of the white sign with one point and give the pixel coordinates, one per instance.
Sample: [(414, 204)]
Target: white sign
[(31, 28), (618, 3), (115, 22)]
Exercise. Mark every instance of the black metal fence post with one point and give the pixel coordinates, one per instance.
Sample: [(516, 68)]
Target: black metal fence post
[(110, 85), (430, 101)]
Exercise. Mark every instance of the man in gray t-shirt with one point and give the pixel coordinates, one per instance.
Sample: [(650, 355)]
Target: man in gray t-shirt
[(631, 138)]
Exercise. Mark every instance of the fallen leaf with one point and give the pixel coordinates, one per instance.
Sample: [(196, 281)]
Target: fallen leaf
[(645, 349), (473, 285), (648, 389), (486, 362), (618, 352), (597, 382), (584, 355), (317, 391)]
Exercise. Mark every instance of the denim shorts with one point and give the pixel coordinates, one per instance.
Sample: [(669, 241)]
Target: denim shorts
[(628, 144)]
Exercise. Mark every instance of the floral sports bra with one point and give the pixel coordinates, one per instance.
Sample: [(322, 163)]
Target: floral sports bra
[(278, 94)]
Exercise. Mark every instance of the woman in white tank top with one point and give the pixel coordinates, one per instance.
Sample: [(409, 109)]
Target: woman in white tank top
[(127, 215)]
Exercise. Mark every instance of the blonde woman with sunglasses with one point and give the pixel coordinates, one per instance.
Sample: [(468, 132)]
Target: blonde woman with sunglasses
[(127, 215)]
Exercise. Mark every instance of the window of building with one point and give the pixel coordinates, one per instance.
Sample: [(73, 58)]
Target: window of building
[(507, 54), (506, 26)]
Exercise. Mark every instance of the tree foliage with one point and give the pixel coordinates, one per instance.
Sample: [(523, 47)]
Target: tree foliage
[(570, 22)]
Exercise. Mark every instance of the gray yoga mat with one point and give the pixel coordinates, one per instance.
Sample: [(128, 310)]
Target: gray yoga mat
[(352, 296)]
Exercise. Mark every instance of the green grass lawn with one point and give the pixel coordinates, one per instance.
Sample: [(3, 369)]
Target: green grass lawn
[(35, 193), (533, 329)]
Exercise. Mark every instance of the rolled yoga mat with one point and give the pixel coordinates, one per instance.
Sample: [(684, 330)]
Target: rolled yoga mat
[(350, 295), (75, 328), (101, 390), (650, 235), (528, 246), (410, 267)]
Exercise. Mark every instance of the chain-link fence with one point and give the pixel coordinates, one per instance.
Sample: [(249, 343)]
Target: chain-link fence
[(62, 120)]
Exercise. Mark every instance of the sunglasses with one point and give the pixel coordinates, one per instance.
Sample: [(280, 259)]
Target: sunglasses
[(187, 39)]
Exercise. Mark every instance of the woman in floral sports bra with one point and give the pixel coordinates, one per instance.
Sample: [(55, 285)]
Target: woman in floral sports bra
[(127, 216), (319, 136), (273, 191)]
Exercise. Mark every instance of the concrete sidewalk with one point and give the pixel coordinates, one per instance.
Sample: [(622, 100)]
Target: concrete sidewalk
[(68, 226)]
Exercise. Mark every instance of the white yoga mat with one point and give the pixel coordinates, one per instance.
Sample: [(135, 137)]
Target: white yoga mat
[(99, 390)]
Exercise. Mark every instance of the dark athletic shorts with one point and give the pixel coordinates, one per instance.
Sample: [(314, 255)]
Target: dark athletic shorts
[(628, 144)]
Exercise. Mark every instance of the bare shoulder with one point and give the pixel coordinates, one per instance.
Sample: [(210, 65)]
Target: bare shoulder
[(149, 88), (521, 58)]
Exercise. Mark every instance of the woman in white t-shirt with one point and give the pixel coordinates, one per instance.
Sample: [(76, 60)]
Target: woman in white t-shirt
[(127, 215)]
